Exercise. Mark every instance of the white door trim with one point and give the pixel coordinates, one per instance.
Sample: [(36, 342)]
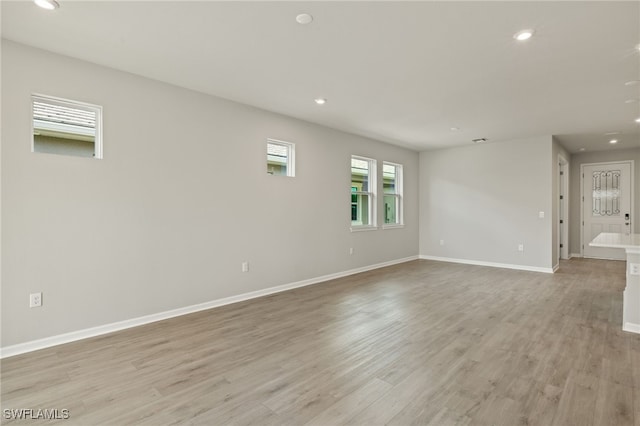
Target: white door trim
[(632, 208), (563, 206)]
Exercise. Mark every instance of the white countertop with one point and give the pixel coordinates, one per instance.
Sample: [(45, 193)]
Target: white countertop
[(614, 240)]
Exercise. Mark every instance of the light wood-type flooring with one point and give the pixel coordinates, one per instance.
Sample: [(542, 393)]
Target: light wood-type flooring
[(418, 343)]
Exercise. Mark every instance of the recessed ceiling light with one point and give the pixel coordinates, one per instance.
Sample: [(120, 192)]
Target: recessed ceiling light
[(638, 47), (47, 4), (632, 83), (523, 35), (479, 140), (320, 101), (637, 120), (630, 101), (304, 19), (581, 149), (612, 133), (454, 129), (613, 141)]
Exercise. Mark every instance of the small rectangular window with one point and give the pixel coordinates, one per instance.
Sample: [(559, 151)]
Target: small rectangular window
[(392, 188), (280, 158), (363, 191), (66, 127)]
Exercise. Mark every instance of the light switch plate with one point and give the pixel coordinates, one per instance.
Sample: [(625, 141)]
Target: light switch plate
[(634, 269)]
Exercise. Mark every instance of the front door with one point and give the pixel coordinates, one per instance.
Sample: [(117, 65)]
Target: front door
[(606, 205)]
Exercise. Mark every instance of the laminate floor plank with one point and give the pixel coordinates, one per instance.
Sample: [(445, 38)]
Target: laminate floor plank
[(428, 343), (577, 402), (614, 404)]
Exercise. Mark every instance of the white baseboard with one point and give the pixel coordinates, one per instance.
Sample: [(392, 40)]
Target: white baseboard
[(86, 333), (556, 267), (571, 255), (631, 327), (492, 264)]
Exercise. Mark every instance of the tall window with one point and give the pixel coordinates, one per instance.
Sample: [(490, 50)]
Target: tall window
[(62, 126), (363, 192), (392, 188), (280, 158)]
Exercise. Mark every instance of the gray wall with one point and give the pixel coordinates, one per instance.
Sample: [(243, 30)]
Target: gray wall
[(179, 201), (574, 188), (483, 200)]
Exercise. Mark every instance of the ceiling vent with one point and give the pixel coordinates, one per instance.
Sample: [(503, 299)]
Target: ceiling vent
[(479, 140)]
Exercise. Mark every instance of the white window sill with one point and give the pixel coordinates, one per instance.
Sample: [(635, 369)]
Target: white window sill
[(363, 228), (393, 226)]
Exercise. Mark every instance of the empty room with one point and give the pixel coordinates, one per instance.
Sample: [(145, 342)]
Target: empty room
[(320, 213)]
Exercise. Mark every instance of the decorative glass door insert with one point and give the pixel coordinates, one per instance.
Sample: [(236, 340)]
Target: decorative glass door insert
[(606, 193)]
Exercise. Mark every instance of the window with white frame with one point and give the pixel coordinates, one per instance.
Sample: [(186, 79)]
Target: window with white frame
[(363, 192), (280, 158), (66, 127), (392, 194)]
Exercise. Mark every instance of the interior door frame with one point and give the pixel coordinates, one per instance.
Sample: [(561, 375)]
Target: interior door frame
[(632, 198), (563, 207)]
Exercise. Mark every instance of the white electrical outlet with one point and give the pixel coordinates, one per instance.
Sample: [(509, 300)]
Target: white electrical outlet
[(441, 242), (520, 247), (634, 269), (541, 215), (35, 300), (351, 250), (245, 266)]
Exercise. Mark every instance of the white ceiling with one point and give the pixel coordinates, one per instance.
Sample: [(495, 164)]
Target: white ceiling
[(401, 72)]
